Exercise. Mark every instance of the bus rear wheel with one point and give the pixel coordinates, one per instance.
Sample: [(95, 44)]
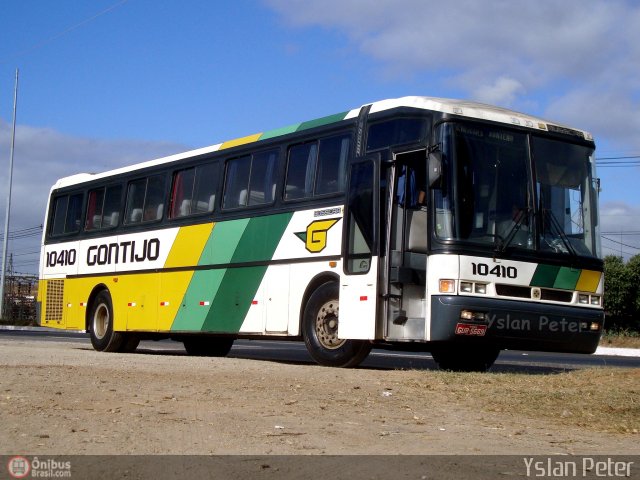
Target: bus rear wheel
[(103, 337), (208, 346), (465, 358), (320, 331)]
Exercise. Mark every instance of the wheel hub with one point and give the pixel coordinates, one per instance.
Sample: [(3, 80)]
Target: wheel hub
[(327, 325), (101, 321)]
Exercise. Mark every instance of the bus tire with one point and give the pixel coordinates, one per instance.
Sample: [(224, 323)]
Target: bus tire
[(129, 344), (465, 358), (320, 331), (103, 338), (208, 346)]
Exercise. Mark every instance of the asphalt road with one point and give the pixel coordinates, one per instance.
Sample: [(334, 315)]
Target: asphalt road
[(295, 352)]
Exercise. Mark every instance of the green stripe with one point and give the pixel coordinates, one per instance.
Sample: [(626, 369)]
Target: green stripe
[(322, 121), (233, 299), (544, 276), (567, 278), (223, 242), (230, 291), (318, 122), (260, 238), (203, 287), (550, 276), (280, 131), (240, 285)]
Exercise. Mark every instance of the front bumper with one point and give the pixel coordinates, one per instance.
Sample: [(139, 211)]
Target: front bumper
[(516, 325)]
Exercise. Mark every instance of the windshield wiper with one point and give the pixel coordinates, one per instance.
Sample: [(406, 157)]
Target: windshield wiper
[(559, 232), (502, 244)]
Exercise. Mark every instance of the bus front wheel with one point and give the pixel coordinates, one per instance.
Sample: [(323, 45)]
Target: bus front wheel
[(103, 337), (465, 359), (320, 331)]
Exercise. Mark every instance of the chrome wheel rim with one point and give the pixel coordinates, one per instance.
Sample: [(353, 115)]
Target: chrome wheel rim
[(327, 325), (101, 321)]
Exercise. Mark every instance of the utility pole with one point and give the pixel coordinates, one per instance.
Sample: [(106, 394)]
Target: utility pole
[(6, 218)]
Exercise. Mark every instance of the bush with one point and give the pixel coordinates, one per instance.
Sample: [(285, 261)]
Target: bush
[(622, 293)]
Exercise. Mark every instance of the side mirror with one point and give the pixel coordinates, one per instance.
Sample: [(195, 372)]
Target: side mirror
[(435, 169)]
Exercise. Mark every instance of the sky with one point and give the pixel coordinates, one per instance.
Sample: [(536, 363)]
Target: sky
[(107, 83)]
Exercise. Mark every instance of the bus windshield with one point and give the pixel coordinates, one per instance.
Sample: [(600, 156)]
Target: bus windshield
[(506, 189)]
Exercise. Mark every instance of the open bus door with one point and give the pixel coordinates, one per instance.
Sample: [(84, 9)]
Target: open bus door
[(403, 275), (359, 278)]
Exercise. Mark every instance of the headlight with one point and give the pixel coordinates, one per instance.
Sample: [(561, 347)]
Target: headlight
[(466, 287)]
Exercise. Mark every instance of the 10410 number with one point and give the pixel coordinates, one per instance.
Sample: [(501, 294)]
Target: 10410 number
[(500, 271)]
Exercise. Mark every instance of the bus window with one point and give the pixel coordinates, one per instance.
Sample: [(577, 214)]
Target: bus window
[(182, 192), (103, 208), (67, 214), (251, 180), (193, 190), (301, 171), (332, 161), (204, 188), (262, 183), (237, 182), (94, 209), (145, 200), (395, 132)]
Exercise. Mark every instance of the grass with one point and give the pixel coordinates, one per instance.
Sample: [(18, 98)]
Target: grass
[(601, 399), (620, 338)]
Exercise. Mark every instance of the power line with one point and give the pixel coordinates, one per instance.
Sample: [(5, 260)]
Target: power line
[(618, 251), (620, 243), (24, 233), (617, 158), (52, 38)]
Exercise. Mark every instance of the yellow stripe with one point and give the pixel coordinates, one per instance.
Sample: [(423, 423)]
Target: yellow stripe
[(188, 245), (588, 281), (241, 141)]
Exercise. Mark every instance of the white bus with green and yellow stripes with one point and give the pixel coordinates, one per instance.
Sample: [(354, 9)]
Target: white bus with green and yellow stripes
[(416, 223)]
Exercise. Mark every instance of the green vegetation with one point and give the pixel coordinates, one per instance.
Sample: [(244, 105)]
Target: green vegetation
[(622, 295)]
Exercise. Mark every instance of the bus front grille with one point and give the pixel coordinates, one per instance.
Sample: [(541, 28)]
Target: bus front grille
[(55, 296), (505, 290), (513, 291)]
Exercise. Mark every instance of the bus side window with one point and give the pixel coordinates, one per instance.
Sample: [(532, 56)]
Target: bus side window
[(145, 200), (332, 164), (204, 189), (262, 182), (301, 171), (67, 214), (182, 192), (237, 182), (112, 204), (94, 209)]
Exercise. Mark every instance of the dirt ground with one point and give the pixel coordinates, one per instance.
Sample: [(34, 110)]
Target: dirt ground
[(64, 398)]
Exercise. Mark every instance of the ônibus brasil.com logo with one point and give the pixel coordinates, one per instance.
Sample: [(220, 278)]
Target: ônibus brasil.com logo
[(21, 467)]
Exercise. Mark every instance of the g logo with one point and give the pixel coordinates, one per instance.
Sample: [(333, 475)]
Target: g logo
[(315, 238)]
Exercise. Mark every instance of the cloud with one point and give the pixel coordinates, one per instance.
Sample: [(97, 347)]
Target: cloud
[(43, 155), (504, 52), (619, 227), (504, 90)]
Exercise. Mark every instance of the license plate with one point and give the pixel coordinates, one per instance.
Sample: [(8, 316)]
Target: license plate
[(471, 329)]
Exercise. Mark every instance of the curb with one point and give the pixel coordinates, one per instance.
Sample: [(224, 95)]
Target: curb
[(604, 351), (618, 352)]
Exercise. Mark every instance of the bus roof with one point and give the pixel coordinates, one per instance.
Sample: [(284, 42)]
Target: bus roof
[(463, 108)]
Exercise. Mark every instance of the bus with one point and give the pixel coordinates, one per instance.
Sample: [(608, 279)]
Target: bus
[(418, 224)]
